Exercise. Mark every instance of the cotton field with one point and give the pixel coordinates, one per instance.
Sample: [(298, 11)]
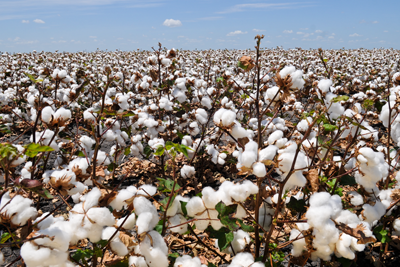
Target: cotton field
[(167, 157)]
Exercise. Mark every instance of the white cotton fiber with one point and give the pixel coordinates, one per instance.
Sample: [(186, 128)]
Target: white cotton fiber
[(324, 85), (210, 197), (47, 114), (137, 261), (187, 261), (129, 223), (224, 117), (195, 206), (187, 171), (259, 169)]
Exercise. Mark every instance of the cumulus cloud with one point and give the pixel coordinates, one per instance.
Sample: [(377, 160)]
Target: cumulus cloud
[(93, 37), (288, 31), (318, 31), (235, 33), (375, 22), (172, 23), (258, 30), (25, 21), (38, 21), (355, 35), (300, 32)]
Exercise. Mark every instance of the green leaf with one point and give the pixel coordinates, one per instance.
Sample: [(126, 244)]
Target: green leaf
[(183, 207), (211, 265), (224, 213), (224, 236), (160, 151), (7, 151), (5, 236), (220, 79), (159, 226), (166, 185), (329, 127), (368, 104), (127, 151), (246, 228), (347, 180), (33, 149), (297, 205), (169, 145), (147, 150), (382, 234), (345, 262), (340, 98), (112, 166), (326, 60), (129, 114), (378, 105)]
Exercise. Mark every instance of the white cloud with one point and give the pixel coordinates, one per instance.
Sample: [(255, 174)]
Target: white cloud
[(257, 30), (318, 31), (235, 33), (303, 29), (25, 21), (39, 21), (331, 37), (385, 31), (288, 31), (93, 37), (300, 32), (354, 35), (375, 22), (172, 23)]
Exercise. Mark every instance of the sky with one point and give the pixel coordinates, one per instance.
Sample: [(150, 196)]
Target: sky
[(87, 25)]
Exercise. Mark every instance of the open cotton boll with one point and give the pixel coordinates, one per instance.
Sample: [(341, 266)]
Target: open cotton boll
[(224, 192), (154, 250), (224, 117), (1, 258), (355, 198), (240, 192), (243, 259), (303, 125), (195, 206), (137, 261), (119, 201), (275, 136), (180, 220), (18, 208), (62, 114), (35, 256), (187, 171), (240, 212), (259, 169), (267, 153), (373, 213), (324, 85), (47, 114), (271, 93), (299, 246), (129, 223), (206, 102), (238, 131), (146, 190), (265, 216), (201, 116), (343, 247), (210, 197), (187, 261), (116, 244)]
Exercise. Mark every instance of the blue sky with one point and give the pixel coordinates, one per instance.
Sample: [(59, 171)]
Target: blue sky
[(77, 25)]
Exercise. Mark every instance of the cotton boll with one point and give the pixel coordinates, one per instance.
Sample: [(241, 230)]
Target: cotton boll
[(240, 212), (180, 220), (324, 85), (272, 93), (146, 221), (187, 261), (62, 114), (343, 247), (265, 216), (215, 223), (355, 198), (195, 206), (119, 201), (224, 192), (224, 117), (129, 223), (137, 261), (267, 153), (299, 246), (101, 216), (47, 114), (1, 258), (243, 259), (259, 169), (275, 136), (240, 192), (41, 256), (154, 250), (373, 213), (210, 197), (147, 190), (238, 131)]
